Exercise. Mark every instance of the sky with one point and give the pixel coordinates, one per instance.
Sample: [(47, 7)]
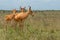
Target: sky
[(35, 4)]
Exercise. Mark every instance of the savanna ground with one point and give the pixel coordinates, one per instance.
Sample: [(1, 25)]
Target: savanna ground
[(45, 25)]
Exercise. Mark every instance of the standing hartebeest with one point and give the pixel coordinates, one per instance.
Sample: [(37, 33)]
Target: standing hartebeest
[(9, 17), (23, 15), (20, 17)]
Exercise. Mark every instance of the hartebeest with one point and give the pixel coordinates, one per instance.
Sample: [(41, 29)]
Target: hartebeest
[(9, 17), (23, 15), (20, 17)]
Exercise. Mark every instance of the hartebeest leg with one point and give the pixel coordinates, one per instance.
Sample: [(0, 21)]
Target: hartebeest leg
[(6, 25), (14, 25), (21, 25)]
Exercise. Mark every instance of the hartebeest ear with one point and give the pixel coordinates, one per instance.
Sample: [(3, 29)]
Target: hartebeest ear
[(29, 7), (24, 7), (20, 6)]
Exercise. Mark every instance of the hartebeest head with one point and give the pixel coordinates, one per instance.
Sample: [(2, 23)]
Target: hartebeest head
[(14, 11), (30, 11), (22, 9)]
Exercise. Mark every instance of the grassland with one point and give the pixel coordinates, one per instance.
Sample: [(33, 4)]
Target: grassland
[(45, 25)]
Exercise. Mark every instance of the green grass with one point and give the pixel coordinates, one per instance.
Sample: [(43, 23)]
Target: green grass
[(45, 25)]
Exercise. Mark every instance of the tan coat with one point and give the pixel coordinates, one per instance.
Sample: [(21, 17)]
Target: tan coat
[(10, 16)]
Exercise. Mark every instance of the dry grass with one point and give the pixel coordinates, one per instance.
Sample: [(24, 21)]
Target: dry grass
[(45, 25)]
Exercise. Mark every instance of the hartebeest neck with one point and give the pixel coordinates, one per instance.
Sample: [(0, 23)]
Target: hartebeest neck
[(14, 12)]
